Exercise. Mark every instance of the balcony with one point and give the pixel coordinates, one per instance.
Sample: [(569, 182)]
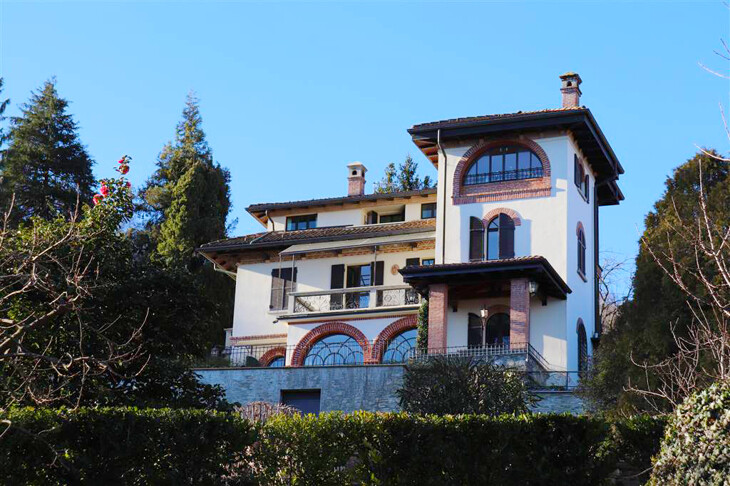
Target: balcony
[(352, 299)]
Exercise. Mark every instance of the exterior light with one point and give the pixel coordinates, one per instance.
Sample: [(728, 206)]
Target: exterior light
[(484, 313), (533, 287)]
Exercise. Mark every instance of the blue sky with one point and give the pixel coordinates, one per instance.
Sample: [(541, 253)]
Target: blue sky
[(291, 92)]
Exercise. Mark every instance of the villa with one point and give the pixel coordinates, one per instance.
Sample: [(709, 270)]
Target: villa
[(504, 249)]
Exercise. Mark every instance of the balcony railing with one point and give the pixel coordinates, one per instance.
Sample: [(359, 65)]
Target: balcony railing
[(337, 300)]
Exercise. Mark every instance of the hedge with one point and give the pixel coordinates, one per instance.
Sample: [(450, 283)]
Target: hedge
[(129, 446)]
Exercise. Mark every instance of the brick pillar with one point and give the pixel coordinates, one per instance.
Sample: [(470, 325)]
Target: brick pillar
[(519, 313), (438, 305)]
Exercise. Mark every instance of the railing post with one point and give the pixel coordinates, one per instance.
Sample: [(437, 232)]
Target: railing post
[(290, 304), (373, 299)]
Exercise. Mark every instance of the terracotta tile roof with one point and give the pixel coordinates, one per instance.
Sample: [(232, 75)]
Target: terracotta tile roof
[(337, 200), (331, 233), (473, 119)]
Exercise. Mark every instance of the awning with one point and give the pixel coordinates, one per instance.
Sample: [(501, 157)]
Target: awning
[(365, 242)]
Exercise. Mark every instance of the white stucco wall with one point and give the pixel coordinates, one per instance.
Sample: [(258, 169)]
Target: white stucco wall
[(253, 287)]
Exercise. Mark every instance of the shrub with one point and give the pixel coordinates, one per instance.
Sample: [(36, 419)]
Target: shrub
[(120, 446), (696, 444), (448, 385)]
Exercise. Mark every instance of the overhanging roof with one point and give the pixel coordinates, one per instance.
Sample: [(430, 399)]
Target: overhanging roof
[(365, 242), (578, 120), (536, 268)]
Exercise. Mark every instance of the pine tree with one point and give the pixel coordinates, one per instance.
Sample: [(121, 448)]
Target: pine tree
[(188, 196), (45, 164), (405, 178), (3, 105)]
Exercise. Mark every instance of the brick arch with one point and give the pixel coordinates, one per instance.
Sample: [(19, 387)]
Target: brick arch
[(505, 190), (328, 329), (391, 331), (271, 354), (497, 211), (579, 228)]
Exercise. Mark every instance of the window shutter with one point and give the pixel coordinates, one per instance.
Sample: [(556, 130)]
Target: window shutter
[(586, 188), (476, 239), (337, 281), (506, 236), (372, 218), (377, 270), (277, 289), (412, 262)]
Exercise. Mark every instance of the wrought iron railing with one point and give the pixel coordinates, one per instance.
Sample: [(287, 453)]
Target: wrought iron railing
[(350, 352), (337, 300), (507, 175)]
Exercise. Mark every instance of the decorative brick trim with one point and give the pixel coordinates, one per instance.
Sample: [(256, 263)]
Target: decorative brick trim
[(519, 318), (268, 356), (498, 309), (497, 211), (324, 330), (391, 331), (261, 336), (579, 228), (500, 191)]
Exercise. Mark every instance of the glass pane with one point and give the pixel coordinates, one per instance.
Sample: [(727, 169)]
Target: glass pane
[(510, 162), (535, 161), (497, 165), (401, 347), (523, 160), (483, 163), (365, 277), (277, 363), (492, 244), (333, 350)]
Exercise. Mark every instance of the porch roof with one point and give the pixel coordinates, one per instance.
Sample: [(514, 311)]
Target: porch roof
[(535, 268)]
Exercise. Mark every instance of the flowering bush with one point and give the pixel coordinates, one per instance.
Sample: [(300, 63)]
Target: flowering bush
[(696, 445)]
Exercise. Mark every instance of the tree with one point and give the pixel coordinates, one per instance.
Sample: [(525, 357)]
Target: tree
[(45, 164), (3, 105), (676, 320), (453, 385), (404, 179)]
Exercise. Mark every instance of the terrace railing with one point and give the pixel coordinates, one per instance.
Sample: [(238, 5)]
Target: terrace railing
[(338, 300)]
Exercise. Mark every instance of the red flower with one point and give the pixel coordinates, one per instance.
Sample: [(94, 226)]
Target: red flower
[(97, 199), (129, 186), (121, 161), (104, 190), (123, 169)]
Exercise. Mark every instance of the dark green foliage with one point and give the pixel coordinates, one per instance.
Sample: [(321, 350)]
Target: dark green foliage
[(131, 446), (3, 105), (405, 178), (422, 336), (45, 165), (643, 327), (448, 385), (696, 445), (120, 446)]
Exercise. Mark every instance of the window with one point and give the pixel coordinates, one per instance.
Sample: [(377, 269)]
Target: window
[(499, 242), (283, 282), (582, 347), (392, 218), (495, 332), (580, 178), (428, 261), (336, 349), (307, 221), (581, 252), (428, 210), (277, 362), (401, 347), (507, 163), (359, 276)]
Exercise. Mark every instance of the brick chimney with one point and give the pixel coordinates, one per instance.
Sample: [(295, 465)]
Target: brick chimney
[(571, 89), (356, 179)]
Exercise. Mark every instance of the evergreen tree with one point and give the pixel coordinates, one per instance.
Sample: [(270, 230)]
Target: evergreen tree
[(405, 178), (188, 196), (643, 329), (3, 104), (45, 164)]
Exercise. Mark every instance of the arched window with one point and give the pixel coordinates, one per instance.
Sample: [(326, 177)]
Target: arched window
[(400, 347), (495, 332), (335, 349), (581, 251), (582, 347), (506, 163), (277, 362), (499, 242)]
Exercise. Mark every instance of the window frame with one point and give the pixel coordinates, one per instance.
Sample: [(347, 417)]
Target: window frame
[(480, 233), (581, 241), (309, 220), (499, 156), (431, 207)]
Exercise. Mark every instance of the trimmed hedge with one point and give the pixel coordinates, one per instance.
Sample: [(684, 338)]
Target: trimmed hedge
[(129, 446)]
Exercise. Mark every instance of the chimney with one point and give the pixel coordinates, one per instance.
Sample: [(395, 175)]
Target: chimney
[(571, 89), (356, 179)]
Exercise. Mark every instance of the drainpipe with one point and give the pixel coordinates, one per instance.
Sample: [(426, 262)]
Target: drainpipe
[(443, 205), (598, 329)]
